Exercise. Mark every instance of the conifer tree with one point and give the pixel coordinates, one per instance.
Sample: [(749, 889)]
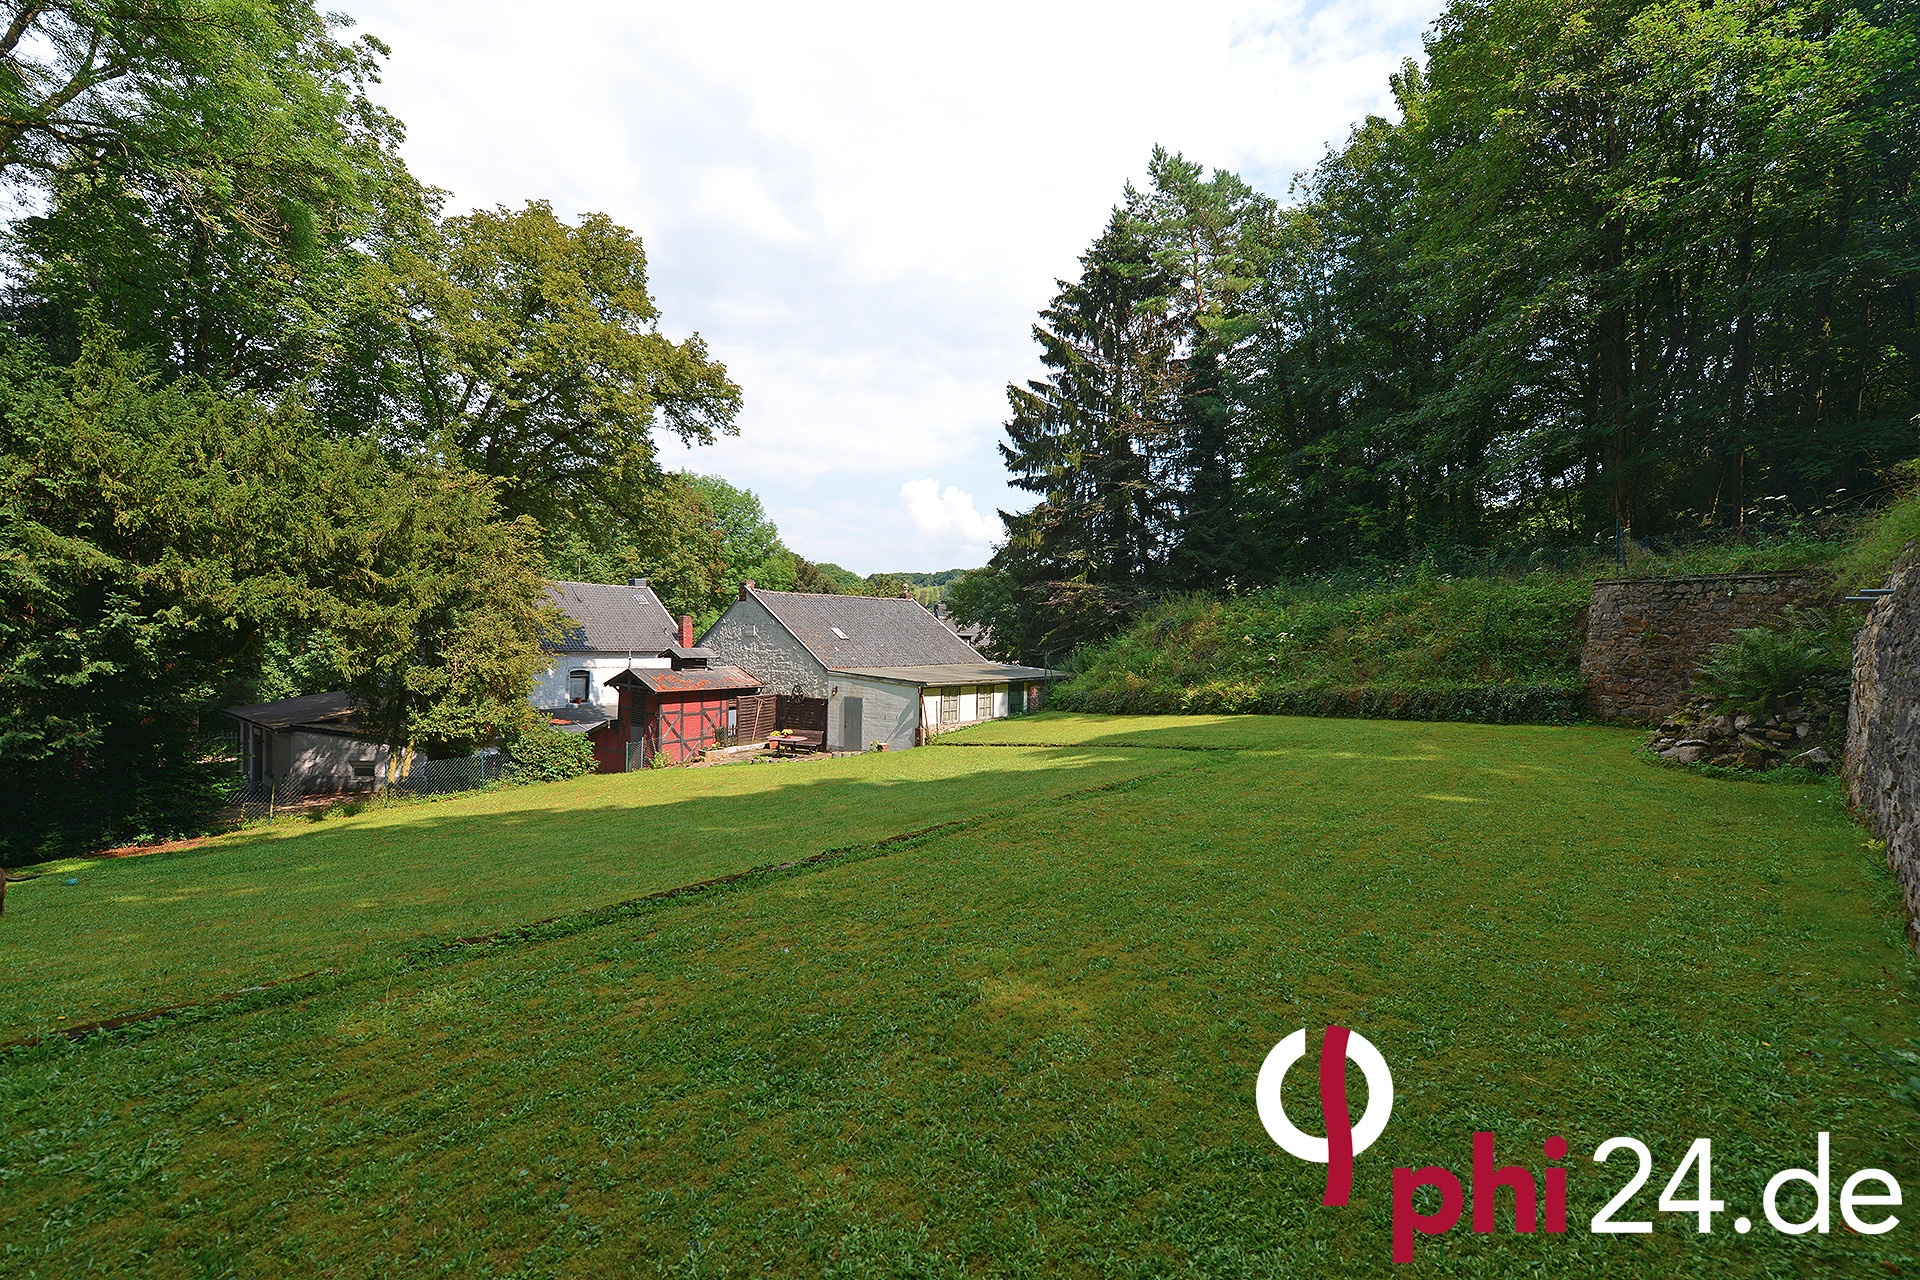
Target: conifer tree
[(1092, 440)]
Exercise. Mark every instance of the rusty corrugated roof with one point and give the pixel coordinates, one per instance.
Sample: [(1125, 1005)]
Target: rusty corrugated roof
[(865, 631), (956, 673), (316, 710), (692, 680)]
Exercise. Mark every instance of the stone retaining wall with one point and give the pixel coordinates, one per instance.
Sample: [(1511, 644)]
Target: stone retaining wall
[(1883, 727), (1646, 635)]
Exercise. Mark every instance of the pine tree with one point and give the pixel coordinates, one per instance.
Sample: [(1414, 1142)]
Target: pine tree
[(1092, 439), (1207, 235)]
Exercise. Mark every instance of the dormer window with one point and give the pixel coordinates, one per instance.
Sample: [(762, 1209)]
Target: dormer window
[(837, 631), (579, 684)]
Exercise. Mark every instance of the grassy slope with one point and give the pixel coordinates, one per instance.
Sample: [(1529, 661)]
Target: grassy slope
[(1880, 544), (1276, 648), (268, 904), (1420, 632), (1027, 1046)]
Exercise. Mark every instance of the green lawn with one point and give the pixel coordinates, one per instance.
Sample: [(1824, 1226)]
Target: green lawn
[(1024, 1045), (348, 893)]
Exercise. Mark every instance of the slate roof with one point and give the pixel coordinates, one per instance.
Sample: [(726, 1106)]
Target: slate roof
[(958, 673), (325, 712), (878, 631), (612, 619), (692, 680)]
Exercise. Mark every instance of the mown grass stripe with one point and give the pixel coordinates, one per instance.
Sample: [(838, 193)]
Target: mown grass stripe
[(553, 928), (81, 1031), (1125, 746)]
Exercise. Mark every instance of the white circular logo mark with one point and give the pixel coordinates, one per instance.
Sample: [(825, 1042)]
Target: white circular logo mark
[(1273, 1111)]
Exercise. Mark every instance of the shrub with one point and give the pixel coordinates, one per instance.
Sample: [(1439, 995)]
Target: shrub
[(544, 754), (1761, 664), (661, 760)]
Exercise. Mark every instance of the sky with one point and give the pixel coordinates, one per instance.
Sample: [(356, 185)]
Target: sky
[(862, 208)]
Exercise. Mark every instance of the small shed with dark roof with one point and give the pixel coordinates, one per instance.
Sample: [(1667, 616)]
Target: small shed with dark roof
[(890, 671), (314, 742)]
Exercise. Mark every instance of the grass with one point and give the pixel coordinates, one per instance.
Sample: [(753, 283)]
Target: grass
[(1198, 653), (272, 903), (1883, 539), (1412, 643), (1025, 1046)]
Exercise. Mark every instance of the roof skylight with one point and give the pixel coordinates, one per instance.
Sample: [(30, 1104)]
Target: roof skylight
[(837, 631)]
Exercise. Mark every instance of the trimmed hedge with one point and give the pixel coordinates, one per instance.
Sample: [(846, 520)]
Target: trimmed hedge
[(1540, 703)]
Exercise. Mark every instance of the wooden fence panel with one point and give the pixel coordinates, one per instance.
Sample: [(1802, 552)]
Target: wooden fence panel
[(759, 716), (802, 713)]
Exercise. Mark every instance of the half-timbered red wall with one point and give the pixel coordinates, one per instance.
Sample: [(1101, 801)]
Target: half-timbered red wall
[(684, 725)]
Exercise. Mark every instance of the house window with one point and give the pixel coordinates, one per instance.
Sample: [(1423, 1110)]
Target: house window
[(949, 706), (751, 631), (577, 686), (363, 768)]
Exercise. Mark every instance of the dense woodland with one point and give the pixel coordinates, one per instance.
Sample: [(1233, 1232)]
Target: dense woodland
[(1645, 270), (272, 421)]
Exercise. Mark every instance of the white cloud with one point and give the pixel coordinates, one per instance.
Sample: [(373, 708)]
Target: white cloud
[(861, 207), (947, 519)]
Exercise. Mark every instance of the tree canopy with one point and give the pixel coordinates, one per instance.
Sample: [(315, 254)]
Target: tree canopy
[(1625, 265), (274, 423)]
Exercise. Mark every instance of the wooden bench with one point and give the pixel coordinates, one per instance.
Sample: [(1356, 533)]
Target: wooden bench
[(797, 742)]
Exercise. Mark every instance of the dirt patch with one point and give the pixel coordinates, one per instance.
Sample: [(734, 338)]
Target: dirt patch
[(142, 850)]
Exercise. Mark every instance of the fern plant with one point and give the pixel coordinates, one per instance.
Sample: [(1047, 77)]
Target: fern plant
[(1762, 665)]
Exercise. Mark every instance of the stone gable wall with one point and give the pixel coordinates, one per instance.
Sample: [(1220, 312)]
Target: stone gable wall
[(1882, 760), (1646, 635), (747, 637)]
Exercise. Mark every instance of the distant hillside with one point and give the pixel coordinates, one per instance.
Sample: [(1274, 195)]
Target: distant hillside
[(831, 579), (944, 578)]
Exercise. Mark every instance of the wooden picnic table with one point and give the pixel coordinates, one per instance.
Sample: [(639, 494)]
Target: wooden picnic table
[(798, 740)]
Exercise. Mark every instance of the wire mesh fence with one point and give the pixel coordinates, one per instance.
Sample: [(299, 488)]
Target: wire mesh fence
[(439, 777), (269, 798), (260, 801)]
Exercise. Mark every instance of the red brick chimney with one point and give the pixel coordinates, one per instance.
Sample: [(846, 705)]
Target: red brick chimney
[(746, 587), (686, 632)]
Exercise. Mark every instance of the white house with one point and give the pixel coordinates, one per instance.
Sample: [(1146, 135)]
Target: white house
[(615, 629)]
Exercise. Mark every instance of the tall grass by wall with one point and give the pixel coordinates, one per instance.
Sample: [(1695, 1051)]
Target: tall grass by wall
[(1425, 647), (1882, 538), (1501, 647)]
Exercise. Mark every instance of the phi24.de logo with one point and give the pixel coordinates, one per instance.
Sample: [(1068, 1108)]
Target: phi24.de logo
[(1534, 1207)]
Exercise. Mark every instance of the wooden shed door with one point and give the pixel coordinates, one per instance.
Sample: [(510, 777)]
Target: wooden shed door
[(852, 710)]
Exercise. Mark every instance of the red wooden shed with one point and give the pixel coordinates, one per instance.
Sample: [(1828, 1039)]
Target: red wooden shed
[(680, 710)]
